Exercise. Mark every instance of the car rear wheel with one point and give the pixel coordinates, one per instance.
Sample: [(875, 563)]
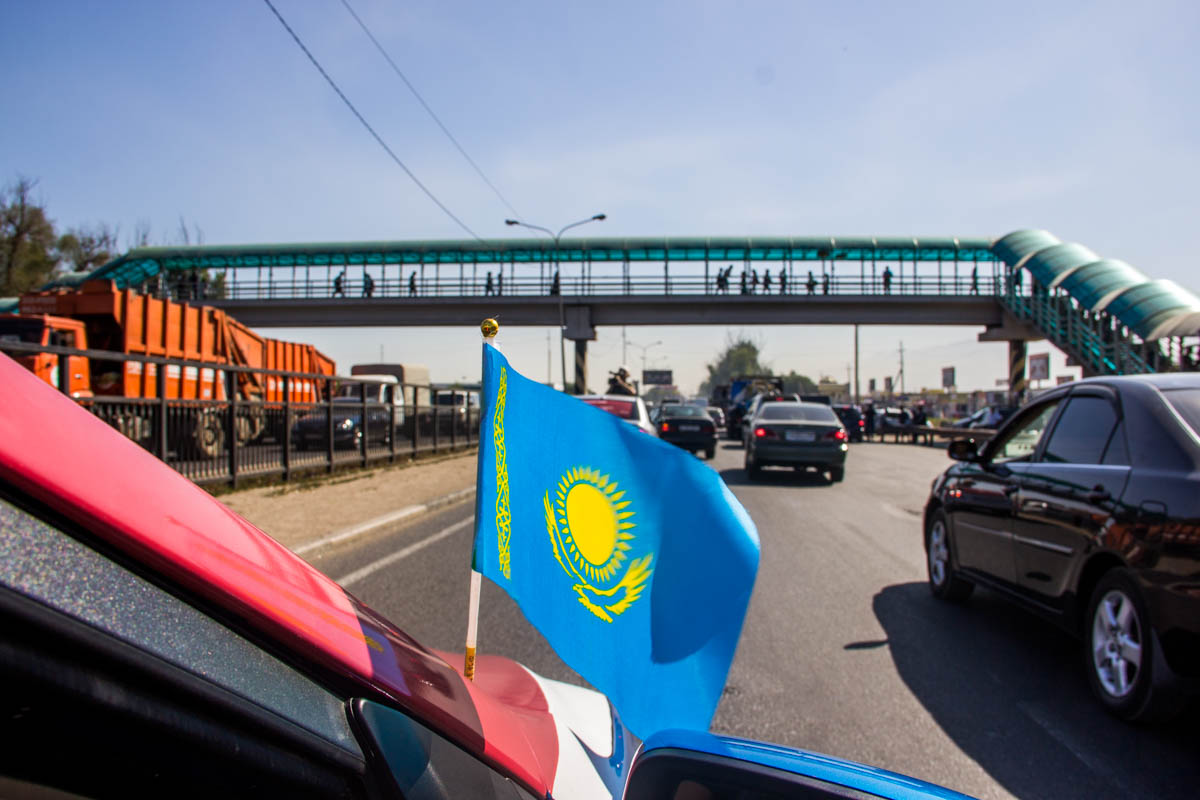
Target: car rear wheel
[(943, 581), (753, 470), (709, 452), (1120, 651)]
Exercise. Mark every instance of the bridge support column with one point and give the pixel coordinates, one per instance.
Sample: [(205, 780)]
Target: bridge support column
[(579, 329), (1016, 371), (581, 366)]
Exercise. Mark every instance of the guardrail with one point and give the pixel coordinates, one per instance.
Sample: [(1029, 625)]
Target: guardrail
[(224, 441), (927, 434)]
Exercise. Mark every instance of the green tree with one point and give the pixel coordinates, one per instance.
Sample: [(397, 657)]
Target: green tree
[(27, 240), (84, 249), (795, 383), (740, 357)]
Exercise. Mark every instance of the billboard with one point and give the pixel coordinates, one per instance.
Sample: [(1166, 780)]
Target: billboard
[(947, 377), (1039, 367), (657, 377), (871, 385), (887, 384)]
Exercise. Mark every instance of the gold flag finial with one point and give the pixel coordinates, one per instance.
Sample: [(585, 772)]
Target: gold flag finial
[(490, 328)]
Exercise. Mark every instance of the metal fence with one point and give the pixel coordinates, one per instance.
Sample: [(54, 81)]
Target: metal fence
[(224, 441)]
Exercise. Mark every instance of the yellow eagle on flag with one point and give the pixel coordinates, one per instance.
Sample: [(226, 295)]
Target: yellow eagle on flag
[(589, 527)]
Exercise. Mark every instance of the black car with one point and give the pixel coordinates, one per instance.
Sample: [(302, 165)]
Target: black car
[(689, 427), (385, 417), (852, 420), (1084, 507)]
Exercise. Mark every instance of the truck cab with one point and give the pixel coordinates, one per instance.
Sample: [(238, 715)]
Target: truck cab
[(52, 331)]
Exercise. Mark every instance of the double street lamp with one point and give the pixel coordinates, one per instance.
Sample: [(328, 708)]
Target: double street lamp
[(562, 323)]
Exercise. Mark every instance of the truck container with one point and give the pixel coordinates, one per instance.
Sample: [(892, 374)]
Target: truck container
[(99, 316)]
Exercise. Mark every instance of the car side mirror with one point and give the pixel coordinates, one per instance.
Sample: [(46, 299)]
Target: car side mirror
[(963, 450), (693, 764)]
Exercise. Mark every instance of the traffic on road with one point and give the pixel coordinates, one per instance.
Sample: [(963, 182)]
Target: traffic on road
[(1077, 510)]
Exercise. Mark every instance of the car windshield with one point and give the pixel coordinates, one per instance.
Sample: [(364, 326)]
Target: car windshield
[(1187, 403), (21, 330), (456, 399), (808, 413), (684, 411), (625, 409)]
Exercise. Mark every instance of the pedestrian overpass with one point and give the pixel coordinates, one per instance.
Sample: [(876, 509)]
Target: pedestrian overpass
[(1105, 314)]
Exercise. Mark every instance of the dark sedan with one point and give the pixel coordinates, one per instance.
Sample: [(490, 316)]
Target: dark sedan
[(853, 421), (689, 427), (797, 435), (1084, 508)]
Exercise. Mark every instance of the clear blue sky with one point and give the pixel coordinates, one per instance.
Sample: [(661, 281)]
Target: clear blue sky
[(678, 118)]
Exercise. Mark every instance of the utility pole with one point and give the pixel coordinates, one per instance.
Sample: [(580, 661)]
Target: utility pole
[(549, 377), (902, 368), (624, 360)]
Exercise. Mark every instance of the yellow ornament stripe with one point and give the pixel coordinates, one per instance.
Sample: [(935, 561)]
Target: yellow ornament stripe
[(503, 515)]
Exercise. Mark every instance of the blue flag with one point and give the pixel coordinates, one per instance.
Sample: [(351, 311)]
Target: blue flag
[(629, 555)]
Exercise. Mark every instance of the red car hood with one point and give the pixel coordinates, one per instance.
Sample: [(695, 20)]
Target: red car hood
[(526, 726)]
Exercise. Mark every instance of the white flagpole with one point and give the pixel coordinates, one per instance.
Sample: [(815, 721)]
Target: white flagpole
[(490, 328)]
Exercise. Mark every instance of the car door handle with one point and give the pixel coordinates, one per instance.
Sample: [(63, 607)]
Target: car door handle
[(1098, 494)]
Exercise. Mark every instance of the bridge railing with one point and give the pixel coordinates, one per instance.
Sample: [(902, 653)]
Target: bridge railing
[(1095, 340), (224, 441), (263, 287)]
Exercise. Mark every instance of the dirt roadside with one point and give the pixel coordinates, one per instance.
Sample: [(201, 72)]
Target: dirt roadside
[(295, 514)]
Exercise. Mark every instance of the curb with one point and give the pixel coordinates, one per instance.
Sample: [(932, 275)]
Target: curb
[(383, 521)]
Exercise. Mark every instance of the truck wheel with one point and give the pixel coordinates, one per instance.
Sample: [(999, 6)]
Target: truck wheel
[(206, 437)]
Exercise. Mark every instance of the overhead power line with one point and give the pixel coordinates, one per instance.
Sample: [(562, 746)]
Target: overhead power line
[(425, 105), (366, 124)]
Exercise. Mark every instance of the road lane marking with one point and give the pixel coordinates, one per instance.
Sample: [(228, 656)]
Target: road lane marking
[(380, 522), (388, 560)]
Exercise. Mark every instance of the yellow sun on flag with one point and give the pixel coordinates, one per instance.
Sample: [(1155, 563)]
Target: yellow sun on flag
[(595, 523)]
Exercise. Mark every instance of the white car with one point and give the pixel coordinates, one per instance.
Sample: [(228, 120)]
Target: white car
[(631, 409)]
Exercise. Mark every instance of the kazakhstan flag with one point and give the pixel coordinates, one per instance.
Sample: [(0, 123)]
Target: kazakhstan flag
[(628, 554)]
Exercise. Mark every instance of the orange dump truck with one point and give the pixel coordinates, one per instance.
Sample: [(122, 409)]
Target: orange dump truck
[(99, 316)]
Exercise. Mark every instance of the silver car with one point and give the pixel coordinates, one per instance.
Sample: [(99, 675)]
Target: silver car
[(798, 435)]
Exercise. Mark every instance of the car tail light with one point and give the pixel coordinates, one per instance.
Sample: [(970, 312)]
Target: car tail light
[(838, 436), (765, 433), (666, 426), (862, 424)]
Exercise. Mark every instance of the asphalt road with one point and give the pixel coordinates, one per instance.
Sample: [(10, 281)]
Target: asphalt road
[(844, 650)]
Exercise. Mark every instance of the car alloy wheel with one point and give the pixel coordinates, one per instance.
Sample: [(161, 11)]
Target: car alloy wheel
[(1117, 644), (943, 581), (939, 554)]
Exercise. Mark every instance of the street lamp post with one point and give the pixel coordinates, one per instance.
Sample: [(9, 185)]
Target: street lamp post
[(644, 348), (562, 323)]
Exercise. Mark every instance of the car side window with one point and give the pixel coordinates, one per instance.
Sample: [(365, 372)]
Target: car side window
[(1117, 451), (1020, 441), (1082, 431)]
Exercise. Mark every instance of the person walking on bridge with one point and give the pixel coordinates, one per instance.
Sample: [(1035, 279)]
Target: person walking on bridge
[(368, 285), (825, 283), (744, 282), (555, 285), (975, 279), (489, 287), (412, 284), (887, 280), (812, 283), (783, 281), (767, 282), (339, 285)]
